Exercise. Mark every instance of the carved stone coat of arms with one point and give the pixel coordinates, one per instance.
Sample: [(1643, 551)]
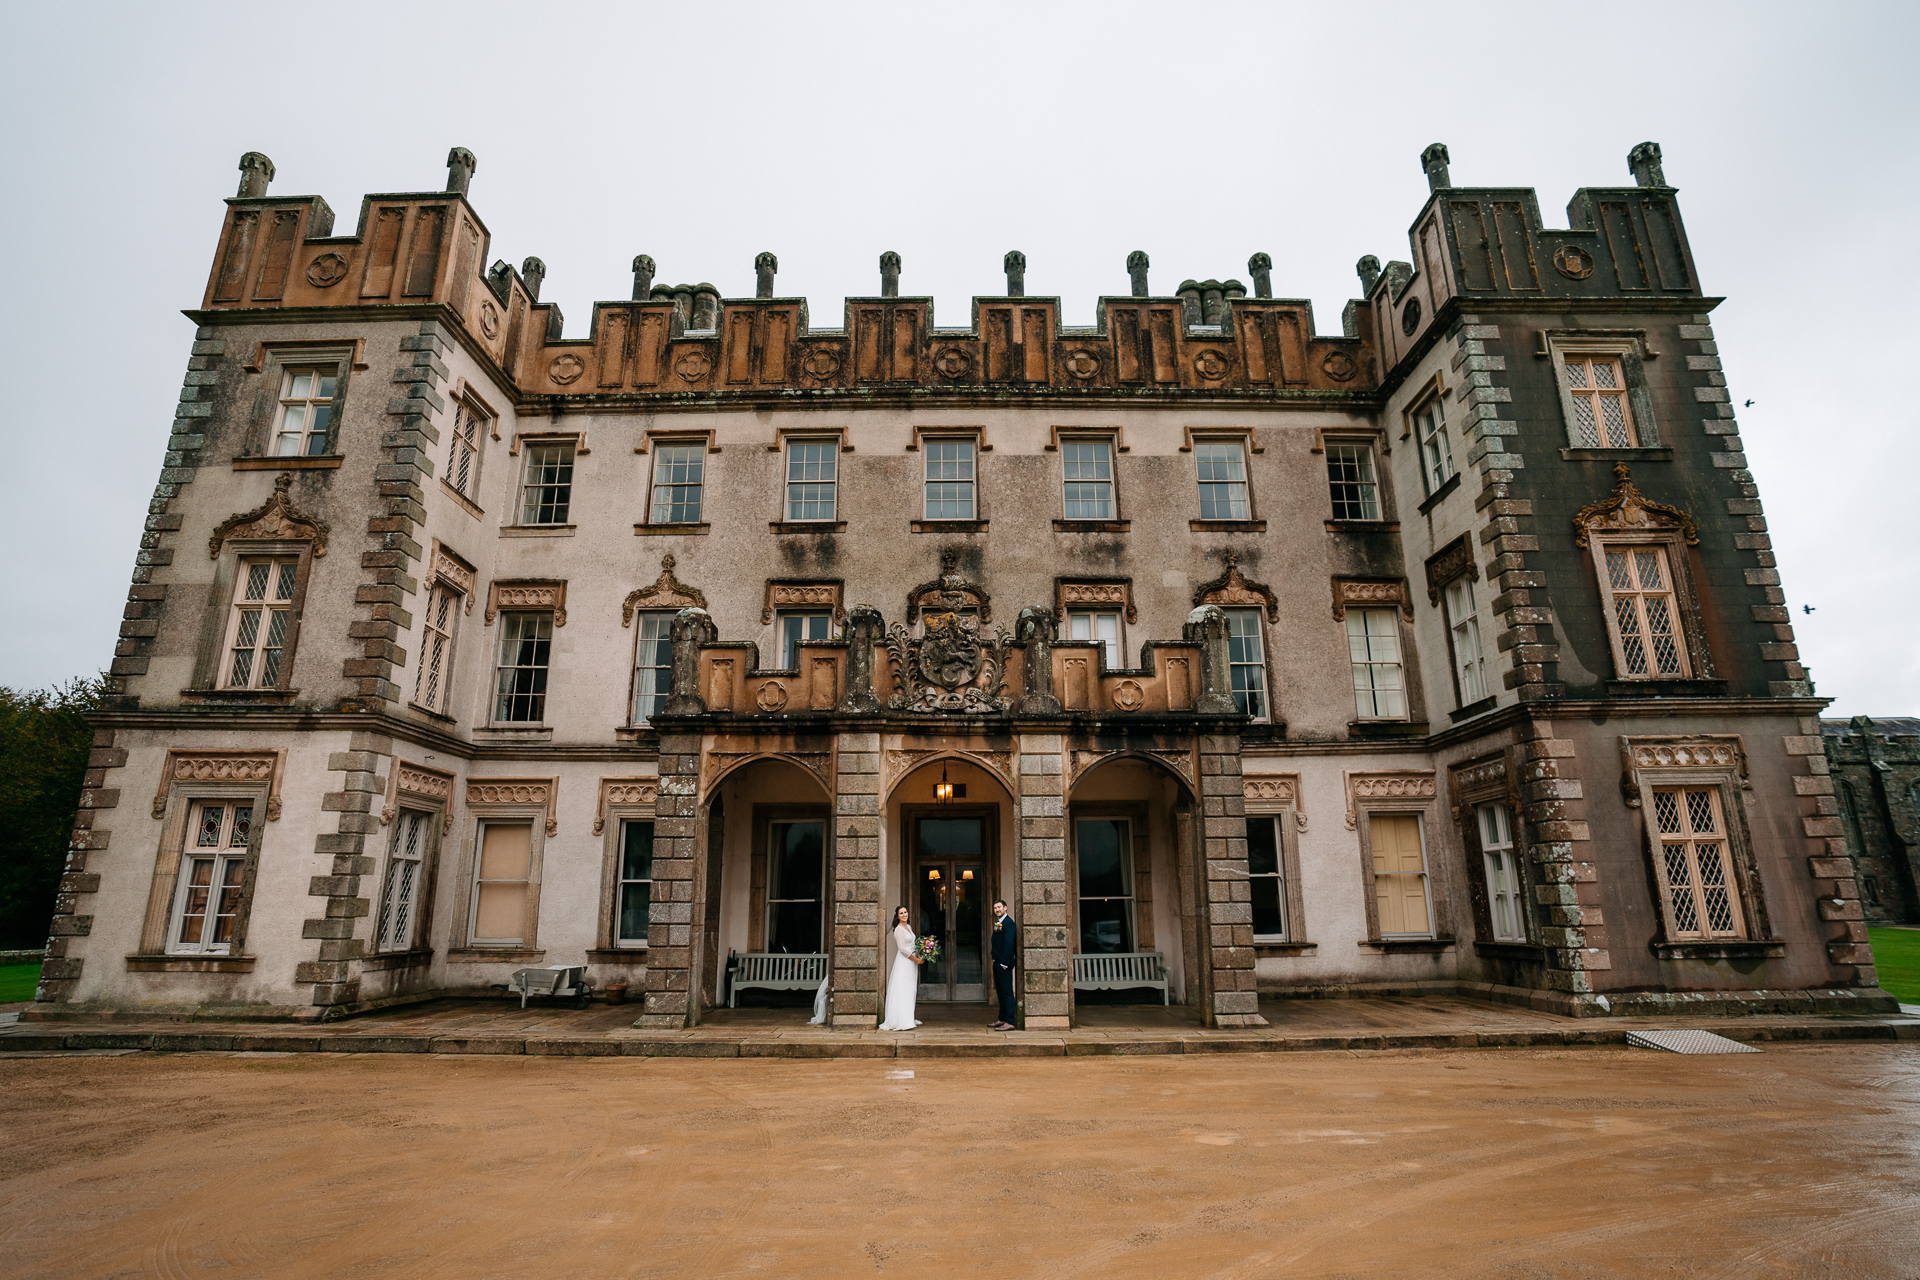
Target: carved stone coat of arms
[(950, 666)]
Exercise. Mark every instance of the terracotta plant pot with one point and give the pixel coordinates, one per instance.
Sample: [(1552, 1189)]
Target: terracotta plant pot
[(617, 993)]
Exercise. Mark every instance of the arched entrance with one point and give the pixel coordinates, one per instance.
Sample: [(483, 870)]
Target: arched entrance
[(1134, 906), (950, 826)]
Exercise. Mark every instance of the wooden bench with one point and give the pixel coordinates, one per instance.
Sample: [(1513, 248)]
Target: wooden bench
[(776, 971), (1119, 971)]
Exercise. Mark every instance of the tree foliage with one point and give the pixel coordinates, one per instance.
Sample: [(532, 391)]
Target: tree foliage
[(44, 743)]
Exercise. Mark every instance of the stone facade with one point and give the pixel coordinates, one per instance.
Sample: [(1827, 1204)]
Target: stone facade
[(1876, 767), (1446, 653)]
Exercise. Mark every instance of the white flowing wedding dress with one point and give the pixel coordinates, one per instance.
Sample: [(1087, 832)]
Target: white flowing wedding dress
[(903, 983)]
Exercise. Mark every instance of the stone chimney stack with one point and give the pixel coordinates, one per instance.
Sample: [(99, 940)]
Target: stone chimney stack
[(1211, 293), (706, 304), (460, 167), (1015, 264), (1643, 160), (642, 277), (1261, 267), (532, 272), (1369, 269), (765, 267), (889, 274), (681, 298), (1137, 272), (1233, 291), (256, 171), (1434, 161), (1189, 302)]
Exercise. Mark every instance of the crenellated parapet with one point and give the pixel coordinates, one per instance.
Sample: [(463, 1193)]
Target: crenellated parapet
[(429, 250)]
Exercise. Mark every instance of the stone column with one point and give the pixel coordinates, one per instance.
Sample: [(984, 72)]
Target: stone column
[(256, 171), (1208, 625), (1434, 161), (1644, 163), (765, 267), (1235, 1001), (532, 273), (889, 274), (706, 307), (1015, 264), (1368, 269), (1189, 292), (864, 626), (671, 982), (691, 628), (1036, 629), (1261, 267), (642, 277), (854, 987), (1039, 900), (1137, 272)]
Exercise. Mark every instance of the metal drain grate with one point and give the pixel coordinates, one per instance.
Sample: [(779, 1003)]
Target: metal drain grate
[(1687, 1042)]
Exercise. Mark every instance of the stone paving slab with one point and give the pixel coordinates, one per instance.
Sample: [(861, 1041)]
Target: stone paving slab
[(474, 1027)]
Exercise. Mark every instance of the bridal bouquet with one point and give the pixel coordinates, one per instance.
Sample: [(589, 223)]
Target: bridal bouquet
[(926, 949)]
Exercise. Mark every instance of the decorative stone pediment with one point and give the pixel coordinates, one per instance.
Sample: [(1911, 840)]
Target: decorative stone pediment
[(1630, 511), (949, 593), (518, 791), (1232, 589), (275, 520), (1416, 788), (434, 786), (189, 765), (626, 791), (1370, 591), (456, 572), (792, 593), (528, 594), (951, 666), (667, 592), (1094, 593), (1450, 562), (1276, 788)]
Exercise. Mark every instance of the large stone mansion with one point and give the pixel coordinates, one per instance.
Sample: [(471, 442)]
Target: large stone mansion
[(1443, 653)]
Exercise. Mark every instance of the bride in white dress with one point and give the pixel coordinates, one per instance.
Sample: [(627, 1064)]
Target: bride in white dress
[(903, 980)]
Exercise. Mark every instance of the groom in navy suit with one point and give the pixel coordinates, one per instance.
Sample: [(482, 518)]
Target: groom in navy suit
[(1005, 948)]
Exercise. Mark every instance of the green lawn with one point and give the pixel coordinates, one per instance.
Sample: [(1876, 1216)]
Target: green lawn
[(1896, 952), (17, 982)]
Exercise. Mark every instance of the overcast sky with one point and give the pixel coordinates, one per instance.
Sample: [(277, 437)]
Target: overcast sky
[(705, 133)]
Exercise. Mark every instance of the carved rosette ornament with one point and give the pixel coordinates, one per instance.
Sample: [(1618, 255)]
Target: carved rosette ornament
[(952, 666), (275, 520), (667, 592), (1631, 511), (1231, 588)]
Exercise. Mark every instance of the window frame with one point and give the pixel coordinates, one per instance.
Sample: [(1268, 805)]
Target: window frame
[(457, 601), (1131, 820), (534, 451), (1375, 932), (662, 618), (1510, 853), (1629, 348), (698, 447), (1640, 759), (536, 814), (1258, 618), (1405, 689), (292, 602), (284, 401), (1689, 644), (241, 861), (929, 444), (1370, 450), (483, 423), (782, 617), (1292, 902), (1476, 783), (1427, 421), (1111, 444), (616, 941), (770, 824), (1403, 793), (426, 827), (833, 446), (545, 692), (1478, 662), (1113, 653), (1244, 444)]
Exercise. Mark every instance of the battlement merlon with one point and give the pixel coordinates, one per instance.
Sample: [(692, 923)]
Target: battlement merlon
[(425, 251), (1489, 244)]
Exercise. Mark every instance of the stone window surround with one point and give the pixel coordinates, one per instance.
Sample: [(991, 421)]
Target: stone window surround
[(429, 790), (447, 567), (1278, 796), (175, 803), (1378, 441), (1434, 391), (622, 800), (784, 436), (1117, 522), (1695, 656), (465, 392), (1399, 792), (1630, 347), (1718, 761), (1445, 567), (503, 801), (977, 523), (1352, 591), (271, 360), (1249, 445), (1490, 780), (650, 441)]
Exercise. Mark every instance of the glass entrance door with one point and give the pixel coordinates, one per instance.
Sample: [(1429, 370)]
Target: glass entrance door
[(951, 896)]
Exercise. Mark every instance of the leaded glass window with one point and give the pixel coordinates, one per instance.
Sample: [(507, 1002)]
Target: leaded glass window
[(262, 621), (1695, 863), (1646, 627), (1602, 418)]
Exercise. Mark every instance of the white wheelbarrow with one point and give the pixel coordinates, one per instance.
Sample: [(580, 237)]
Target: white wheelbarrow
[(557, 980)]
